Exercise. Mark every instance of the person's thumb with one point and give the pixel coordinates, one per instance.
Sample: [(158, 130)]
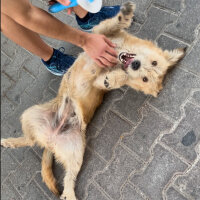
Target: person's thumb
[(64, 2), (69, 11)]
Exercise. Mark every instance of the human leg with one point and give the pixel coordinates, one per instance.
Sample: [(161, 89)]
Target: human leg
[(25, 38)]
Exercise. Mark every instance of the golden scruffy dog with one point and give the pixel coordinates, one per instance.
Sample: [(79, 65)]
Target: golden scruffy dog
[(60, 125)]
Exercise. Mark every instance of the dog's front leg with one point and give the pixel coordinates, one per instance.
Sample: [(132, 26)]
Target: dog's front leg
[(111, 80), (115, 24)]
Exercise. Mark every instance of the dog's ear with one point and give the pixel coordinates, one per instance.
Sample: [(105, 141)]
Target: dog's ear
[(174, 56)]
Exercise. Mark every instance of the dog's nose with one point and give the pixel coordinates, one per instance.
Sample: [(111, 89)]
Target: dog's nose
[(135, 65)]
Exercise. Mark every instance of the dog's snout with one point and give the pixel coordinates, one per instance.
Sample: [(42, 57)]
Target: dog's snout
[(136, 65)]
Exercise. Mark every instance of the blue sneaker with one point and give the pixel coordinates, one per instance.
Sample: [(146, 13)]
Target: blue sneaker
[(95, 18), (59, 63)]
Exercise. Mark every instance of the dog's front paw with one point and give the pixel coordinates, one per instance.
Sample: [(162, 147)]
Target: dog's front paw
[(126, 14)]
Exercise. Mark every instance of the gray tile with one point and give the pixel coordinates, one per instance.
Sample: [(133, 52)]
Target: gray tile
[(168, 43), (94, 193), (151, 126), (109, 135), (173, 194), (187, 134), (158, 173), (100, 114), (114, 176), (129, 193), (187, 22), (192, 61), (91, 164), (8, 164), (130, 105), (15, 92), (175, 5), (190, 183), (8, 192), (176, 90), (152, 27), (23, 175), (34, 192)]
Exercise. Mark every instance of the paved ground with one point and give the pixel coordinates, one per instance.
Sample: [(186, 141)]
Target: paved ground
[(138, 147)]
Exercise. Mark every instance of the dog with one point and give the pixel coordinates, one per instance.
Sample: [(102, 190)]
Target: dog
[(60, 124)]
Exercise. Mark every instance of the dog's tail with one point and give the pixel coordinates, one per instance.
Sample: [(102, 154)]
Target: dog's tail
[(47, 173)]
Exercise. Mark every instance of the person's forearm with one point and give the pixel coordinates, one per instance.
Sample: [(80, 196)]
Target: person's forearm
[(43, 23)]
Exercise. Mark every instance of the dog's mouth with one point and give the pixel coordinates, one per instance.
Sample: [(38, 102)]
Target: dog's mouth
[(126, 58)]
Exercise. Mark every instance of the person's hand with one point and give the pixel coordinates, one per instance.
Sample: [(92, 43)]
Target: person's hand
[(101, 50), (63, 2)]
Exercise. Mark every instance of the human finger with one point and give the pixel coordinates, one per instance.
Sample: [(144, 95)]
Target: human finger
[(106, 62), (109, 42), (110, 58), (64, 2), (99, 63)]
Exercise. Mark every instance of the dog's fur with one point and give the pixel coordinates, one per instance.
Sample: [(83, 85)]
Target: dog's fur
[(59, 125)]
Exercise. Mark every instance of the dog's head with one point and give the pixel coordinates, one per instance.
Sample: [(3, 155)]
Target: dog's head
[(146, 65)]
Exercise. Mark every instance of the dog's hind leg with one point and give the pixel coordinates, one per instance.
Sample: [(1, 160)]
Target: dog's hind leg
[(16, 142), (122, 20)]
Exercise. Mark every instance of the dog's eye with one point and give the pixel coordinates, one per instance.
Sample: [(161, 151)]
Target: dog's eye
[(154, 63), (145, 79)]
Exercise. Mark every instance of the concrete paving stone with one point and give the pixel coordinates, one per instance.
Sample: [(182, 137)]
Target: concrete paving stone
[(48, 95), (6, 83), (55, 83), (40, 84), (13, 119), (91, 165), (6, 107), (33, 65), (174, 5), (114, 176), (172, 194), (196, 98), (168, 43), (187, 22), (8, 47), (100, 114), (129, 106), (8, 192), (8, 164), (186, 136), (91, 131), (176, 90), (23, 174), (14, 68), (94, 193), (34, 192), (158, 173), (5, 60), (20, 86), (107, 138), (8, 131), (38, 180), (20, 154), (190, 183), (152, 27), (151, 126), (129, 193), (192, 61)]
